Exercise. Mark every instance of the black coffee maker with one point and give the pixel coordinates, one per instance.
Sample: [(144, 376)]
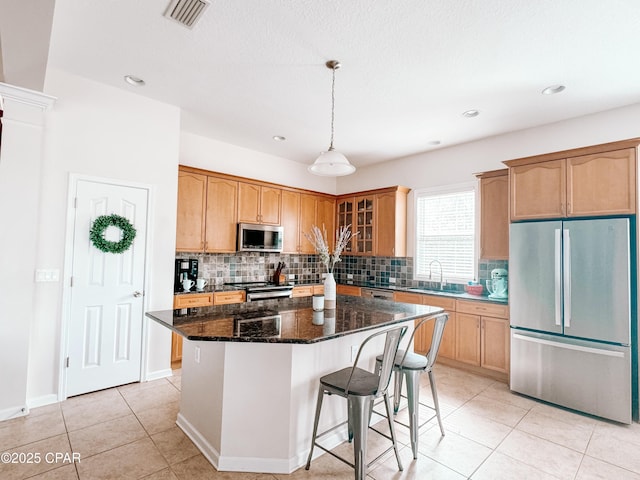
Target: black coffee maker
[(185, 268)]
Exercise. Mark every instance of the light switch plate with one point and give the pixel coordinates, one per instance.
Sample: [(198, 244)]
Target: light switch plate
[(44, 275), (392, 280)]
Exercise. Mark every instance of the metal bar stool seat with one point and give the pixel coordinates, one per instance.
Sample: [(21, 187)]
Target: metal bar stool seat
[(411, 365), (361, 387)]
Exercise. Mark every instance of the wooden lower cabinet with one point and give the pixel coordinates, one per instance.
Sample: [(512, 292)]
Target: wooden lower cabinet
[(494, 344), (476, 334), (468, 339), (422, 338), (302, 291), (483, 341), (307, 290), (194, 300), (190, 300), (176, 347), (348, 290), (226, 298), (487, 325)]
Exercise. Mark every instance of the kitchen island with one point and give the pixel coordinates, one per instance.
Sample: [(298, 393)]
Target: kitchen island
[(250, 373)]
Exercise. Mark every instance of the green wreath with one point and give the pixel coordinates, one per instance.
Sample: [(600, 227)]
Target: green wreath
[(96, 234)]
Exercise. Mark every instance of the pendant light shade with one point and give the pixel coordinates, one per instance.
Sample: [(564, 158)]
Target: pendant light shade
[(332, 163)]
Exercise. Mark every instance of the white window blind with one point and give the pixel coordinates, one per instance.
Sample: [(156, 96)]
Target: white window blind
[(445, 231)]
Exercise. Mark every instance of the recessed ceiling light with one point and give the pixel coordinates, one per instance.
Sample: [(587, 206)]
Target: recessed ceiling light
[(433, 142), (471, 113), (279, 138), (133, 80), (553, 89)]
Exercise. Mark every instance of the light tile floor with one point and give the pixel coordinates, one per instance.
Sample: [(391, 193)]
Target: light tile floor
[(130, 432)]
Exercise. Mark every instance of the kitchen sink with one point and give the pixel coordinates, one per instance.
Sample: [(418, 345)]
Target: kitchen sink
[(432, 291)]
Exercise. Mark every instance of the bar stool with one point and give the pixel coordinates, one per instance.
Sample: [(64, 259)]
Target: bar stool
[(360, 388), (411, 366)]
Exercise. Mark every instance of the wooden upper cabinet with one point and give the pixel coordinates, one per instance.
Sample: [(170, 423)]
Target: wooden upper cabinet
[(591, 181), (221, 219), (290, 221), (325, 215), (270, 205), (380, 219), (365, 241), (316, 210), (258, 204), (391, 223), (307, 219), (538, 190), (345, 216), (494, 214), (190, 224), (602, 183)]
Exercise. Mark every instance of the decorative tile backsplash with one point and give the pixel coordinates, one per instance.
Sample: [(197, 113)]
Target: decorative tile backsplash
[(219, 268)]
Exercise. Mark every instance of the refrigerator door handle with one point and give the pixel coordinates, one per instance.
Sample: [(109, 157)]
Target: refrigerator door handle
[(557, 277), (566, 260), (569, 346)]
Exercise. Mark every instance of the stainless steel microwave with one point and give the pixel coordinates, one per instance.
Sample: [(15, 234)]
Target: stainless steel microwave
[(260, 238)]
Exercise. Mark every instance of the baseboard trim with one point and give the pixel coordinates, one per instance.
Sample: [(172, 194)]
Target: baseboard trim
[(14, 412), (167, 372), (256, 464), (42, 400), (485, 372), (203, 445)]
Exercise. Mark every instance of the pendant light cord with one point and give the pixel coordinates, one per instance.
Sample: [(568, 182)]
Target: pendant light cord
[(333, 102)]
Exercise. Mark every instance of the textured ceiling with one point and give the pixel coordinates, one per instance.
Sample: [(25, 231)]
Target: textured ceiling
[(251, 69)]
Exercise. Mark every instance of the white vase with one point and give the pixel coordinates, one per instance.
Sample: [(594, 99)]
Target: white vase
[(329, 292)]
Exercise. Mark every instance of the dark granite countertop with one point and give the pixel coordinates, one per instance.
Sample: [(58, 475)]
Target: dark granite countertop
[(426, 291), (298, 323)]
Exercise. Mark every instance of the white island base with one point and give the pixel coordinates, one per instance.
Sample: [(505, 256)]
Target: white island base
[(249, 407)]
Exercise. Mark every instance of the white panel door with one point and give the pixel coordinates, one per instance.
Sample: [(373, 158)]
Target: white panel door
[(105, 328)]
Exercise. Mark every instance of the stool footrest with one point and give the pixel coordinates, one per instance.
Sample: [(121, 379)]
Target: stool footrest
[(405, 406), (342, 458)]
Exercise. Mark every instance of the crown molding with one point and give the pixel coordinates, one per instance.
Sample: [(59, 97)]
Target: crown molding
[(26, 96)]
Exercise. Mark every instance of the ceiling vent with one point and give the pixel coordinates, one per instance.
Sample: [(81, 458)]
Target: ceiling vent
[(187, 12)]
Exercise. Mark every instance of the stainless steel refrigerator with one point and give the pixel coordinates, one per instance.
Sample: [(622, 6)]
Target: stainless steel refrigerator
[(570, 313)]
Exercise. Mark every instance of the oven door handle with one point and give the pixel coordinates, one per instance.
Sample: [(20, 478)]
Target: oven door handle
[(268, 294)]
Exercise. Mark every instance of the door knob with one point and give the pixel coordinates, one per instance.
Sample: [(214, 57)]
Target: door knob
[(137, 294)]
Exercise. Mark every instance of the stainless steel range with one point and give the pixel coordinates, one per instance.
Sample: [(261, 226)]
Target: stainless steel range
[(264, 290)]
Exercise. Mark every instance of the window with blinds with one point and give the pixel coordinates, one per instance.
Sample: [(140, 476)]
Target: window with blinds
[(445, 231)]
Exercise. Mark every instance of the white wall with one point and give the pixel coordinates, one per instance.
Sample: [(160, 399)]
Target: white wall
[(208, 154), (20, 166), (104, 132), (457, 164)]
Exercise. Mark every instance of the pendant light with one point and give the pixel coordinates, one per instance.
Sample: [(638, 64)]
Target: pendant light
[(332, 163)]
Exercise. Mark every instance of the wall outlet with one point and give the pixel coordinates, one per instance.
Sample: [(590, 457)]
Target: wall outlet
[(349, 276), (292, 276), (354, 352), (324, 275), (392, 280), (197, 356)]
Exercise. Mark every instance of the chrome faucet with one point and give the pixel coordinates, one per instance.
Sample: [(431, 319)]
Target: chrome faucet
[(440, 265)]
